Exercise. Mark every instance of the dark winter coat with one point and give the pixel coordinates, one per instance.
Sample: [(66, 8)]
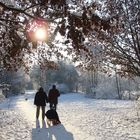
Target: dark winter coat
[(53, 96), (40, 98)]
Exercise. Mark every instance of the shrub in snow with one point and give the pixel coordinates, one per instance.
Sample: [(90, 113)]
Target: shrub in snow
[(137, 107), (125, 95), (2, 97), (135, 95), (91, 92), (106, 90), (130, 95)]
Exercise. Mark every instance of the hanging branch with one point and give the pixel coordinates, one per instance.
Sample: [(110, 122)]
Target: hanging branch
[(23, 12)]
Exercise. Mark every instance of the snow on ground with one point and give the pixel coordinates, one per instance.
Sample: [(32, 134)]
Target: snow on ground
[(82, 119)]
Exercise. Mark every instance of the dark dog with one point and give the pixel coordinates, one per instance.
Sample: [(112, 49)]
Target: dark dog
[(52, 117)]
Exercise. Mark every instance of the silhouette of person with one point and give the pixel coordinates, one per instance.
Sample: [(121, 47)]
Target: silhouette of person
[(52, 116), (53, 97), (40, 102)]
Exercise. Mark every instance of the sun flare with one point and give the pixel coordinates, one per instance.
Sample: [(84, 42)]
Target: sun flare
[(37, 30), (41, 34)]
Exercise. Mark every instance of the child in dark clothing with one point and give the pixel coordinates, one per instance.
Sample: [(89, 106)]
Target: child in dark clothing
[(52, 117)]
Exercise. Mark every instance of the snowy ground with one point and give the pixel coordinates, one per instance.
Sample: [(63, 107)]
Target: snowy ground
[(82, 119)]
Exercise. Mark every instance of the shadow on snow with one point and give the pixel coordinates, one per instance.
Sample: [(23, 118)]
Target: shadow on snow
[(52, 133)]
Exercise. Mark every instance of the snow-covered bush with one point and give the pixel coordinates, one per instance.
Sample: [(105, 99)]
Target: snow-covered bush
[(2, 97), (137, 107), (126, 95), (130, 95), (106, 90)]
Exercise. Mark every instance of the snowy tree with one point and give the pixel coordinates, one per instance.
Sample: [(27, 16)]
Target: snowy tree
[(123, 47), (13, 82), (66, 74), (112, 24)]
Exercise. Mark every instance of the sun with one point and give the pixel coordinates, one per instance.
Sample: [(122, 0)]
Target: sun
[(40, 34), (37, 30)]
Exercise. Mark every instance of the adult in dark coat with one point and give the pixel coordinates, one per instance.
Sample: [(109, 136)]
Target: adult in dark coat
[(53, 97), (40, 102)]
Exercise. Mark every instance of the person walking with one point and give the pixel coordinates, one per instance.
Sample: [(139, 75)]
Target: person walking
[(40, 102), (53, 97)]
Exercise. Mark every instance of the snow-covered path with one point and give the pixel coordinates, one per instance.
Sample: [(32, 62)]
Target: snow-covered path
[(82, 119)]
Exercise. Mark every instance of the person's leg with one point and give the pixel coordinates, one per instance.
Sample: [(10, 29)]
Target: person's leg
[(51, 106), (43, 112), (55, 106), (37, 111)]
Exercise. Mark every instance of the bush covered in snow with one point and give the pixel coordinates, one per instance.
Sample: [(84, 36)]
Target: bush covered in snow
[(106, 90), (111, 87), (127, 95), (2, 97)]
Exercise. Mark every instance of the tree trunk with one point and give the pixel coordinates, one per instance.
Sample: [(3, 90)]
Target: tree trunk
[(117, 84)]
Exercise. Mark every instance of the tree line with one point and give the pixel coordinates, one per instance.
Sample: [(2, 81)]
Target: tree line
[(69, 79)]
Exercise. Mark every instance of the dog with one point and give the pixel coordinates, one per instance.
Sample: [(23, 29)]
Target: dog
[(52, 117)]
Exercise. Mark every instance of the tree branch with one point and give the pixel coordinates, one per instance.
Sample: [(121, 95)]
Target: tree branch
[(15, 9), (23, 11), (2, 19), (32, 6)]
